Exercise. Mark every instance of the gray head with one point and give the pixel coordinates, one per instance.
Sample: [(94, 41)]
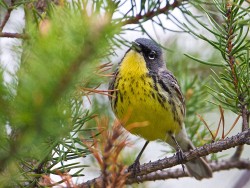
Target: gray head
[(151, 52)]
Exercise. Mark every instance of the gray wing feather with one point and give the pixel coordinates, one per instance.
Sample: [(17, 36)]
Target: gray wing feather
[(169, 79)]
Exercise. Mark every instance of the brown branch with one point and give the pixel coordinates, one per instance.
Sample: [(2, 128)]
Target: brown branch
[(13, 35), (245, 126), (231, 61), (239, 139), (149, 15), (5, 20), (178, 173), (7, 15)]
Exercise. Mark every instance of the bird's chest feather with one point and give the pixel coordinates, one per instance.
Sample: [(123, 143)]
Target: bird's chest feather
[(141, 109), (133, 85), (141, 104)]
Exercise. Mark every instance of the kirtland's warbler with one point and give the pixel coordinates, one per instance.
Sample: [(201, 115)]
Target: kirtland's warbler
[(147, 99)]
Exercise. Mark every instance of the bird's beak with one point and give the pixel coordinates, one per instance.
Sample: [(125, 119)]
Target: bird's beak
[(136, 46)]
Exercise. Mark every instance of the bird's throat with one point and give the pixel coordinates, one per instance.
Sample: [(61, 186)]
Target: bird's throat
[(133, 65)]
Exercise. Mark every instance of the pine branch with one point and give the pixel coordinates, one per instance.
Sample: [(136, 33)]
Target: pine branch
[(13, 35), (150, 14), (229, 46), (147, 168), (178, 173), (132, 20), (230, 27), (7, 15), (4, 22)]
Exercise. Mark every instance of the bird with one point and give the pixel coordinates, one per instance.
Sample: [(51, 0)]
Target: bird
[(147, 100)]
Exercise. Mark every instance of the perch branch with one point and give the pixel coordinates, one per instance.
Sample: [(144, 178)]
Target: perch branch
[(147, 168), (13, 35), (178, 173)]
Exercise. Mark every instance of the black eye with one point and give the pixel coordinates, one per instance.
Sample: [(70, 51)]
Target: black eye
[(152, 55)]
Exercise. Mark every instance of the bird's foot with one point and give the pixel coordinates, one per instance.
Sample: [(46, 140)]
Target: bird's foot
[(134, 168), (180, 158)]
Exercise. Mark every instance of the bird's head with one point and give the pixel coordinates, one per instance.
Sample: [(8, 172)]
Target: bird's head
[(150, 51)]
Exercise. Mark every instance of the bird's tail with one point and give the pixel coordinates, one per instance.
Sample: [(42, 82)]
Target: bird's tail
[(198, 168)]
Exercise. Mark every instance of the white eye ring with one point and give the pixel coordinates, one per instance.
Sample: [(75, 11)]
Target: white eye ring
[(152, 55)]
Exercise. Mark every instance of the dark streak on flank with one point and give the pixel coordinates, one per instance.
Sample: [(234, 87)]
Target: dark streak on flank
[(164, 87), (155, 82), (143, 78), (179, 121), (128, 101), (160, 100), (132, 89), (121, 97), (153, 94), (123, 86), (137, 84), (162, 97), (170, 101), (174, 112), (150, 84)]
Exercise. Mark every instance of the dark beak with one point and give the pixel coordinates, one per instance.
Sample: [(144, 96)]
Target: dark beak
[(136, 46)]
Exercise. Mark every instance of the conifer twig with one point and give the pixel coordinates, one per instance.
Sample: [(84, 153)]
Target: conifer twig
[(13, 35), (150, 14), (7, 15), (230, 36), (178, 173), (106, 149), (218, 146)]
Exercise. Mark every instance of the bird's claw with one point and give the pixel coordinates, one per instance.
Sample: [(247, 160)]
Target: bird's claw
[(180, 158), (134, 168)]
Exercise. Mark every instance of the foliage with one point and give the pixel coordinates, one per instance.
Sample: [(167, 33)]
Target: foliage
[(44, 113), (47, 129), (231, 39)]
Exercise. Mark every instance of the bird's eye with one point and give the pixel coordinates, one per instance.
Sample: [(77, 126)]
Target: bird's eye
[(152, 55)]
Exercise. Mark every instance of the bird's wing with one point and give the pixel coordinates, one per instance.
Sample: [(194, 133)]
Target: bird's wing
[(168, 79)]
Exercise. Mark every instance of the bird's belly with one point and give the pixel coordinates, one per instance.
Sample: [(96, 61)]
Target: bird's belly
[(143, 113)]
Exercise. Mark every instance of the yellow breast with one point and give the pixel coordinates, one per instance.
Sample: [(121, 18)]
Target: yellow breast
[(139, 106)]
